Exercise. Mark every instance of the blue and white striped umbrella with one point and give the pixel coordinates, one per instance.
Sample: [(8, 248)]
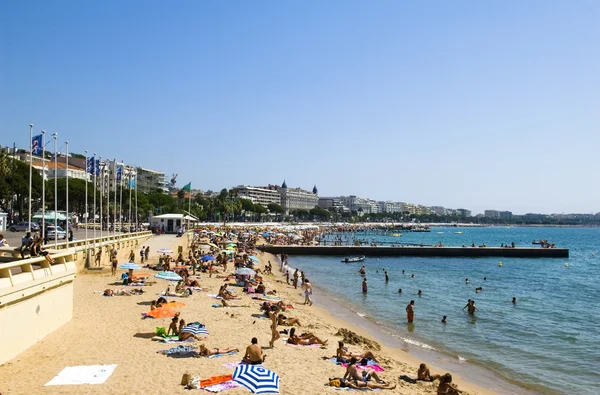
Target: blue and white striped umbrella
[(168, 276), (257, 378), (195, 328), (130, 266)]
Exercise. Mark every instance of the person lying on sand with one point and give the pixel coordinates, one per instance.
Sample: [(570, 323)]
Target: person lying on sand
[(367, 374), (343, 383), (305, 339), (122, 292), (207, 352), (446, 387), (424, 375), (229, 304), (254, 354), (343, 353), (287, 321)]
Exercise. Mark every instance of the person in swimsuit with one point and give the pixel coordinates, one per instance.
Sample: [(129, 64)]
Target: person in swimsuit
[(410, 311), (307, 292), (185, 335), (274, 332), (207, 352), (343, 353), (424, 375), (254, 354), (446, 387), (367, 375), (364, 286)]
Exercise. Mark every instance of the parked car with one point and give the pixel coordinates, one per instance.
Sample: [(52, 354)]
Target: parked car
[(24, 226), (52, 230)]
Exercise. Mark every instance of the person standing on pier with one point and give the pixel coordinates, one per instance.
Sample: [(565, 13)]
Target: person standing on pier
[(410, 311)]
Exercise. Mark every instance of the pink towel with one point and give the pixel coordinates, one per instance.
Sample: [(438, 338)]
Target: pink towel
[(221, 387), (376, 368)]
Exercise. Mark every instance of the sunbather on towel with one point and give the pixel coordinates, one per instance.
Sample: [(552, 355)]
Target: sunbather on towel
[(424, 375), (343, 355), (304, 340), (343, 383), (207, 352), (173, 331), (224, 293), (367, 374), (287, 321), (229, 304)]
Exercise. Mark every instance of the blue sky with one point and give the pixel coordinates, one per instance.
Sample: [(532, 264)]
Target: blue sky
[(469, 104)]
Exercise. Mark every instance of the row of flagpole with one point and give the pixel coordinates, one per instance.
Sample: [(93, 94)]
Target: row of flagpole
[(37, 147)]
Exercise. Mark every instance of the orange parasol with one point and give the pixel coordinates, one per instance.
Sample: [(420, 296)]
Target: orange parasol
[(163, 312)]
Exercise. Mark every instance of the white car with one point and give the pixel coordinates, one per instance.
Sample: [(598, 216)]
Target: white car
[(52, 230)]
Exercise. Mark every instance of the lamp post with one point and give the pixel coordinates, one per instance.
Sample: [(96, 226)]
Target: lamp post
[(55, 135), (43, 232), (67, 190), (87, 213)]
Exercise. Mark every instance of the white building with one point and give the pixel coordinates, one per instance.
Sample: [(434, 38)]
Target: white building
[(151, 180), (297, 198), (333, 202), (258, 195)]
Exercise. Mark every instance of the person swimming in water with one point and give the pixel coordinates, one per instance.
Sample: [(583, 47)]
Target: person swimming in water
[(362, 270), (444, 320), (514, 300)]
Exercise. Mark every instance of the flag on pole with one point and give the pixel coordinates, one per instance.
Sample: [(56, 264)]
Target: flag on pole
[(119, 173), (90, 166), (187, 187), (132, 183), (97, 167), (36, 145)]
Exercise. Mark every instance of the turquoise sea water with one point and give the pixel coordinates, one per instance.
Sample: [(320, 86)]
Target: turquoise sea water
[(548, 342)]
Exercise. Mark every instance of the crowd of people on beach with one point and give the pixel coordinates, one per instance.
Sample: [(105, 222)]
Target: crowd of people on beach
[(230, 255)]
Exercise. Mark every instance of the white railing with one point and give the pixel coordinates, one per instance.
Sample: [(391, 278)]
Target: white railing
[(22, 278)]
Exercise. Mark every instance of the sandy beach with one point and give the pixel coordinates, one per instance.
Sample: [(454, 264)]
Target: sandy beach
[(110, 330)]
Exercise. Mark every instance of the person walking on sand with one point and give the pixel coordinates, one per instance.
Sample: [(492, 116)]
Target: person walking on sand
[(131, 256), (98, 258), (274, 332), (410, 311), (142, 252), (364, 285), (147, 252), (307, 287)]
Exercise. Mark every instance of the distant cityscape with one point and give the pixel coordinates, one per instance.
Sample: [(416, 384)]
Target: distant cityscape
[(291, 199)]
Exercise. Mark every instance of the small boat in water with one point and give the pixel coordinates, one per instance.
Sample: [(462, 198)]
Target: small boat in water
[(458, 233), (397, 235), (354, 259)]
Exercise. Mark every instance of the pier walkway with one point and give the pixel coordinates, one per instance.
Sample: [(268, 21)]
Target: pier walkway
[(447, 252)]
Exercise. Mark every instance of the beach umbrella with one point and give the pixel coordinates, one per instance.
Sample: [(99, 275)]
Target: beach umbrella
[(208, 258), (162, 312), (195, 328), (168, 276), (245, 272), (256, 378), (130, 266), (255, 259), (228, 252), (164, 251)]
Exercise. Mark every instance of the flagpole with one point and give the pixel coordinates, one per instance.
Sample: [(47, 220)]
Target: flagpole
[(94, 209), (189, 205), (67, 188), (115, 202), (129, 186), (55, 191), (136, 204), (121, 196), (87, 213), (101, 196), (43, 232), (30, 174)]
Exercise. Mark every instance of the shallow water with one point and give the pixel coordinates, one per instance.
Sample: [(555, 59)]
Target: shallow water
[(548, 341)]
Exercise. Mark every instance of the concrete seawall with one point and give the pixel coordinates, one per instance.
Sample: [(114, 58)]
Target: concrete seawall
[(443, 252)]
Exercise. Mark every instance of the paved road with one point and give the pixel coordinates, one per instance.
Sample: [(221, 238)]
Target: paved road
[(14, 238)]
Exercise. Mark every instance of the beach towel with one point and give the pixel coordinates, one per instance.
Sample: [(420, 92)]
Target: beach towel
[(178, 350), (370, 365), (215, 380), (232, 365), (220, 355), (217, 306), (176, 340), (221, 387), (75, 375)]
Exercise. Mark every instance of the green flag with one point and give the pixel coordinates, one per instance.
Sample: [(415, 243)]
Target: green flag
[(188, 187)]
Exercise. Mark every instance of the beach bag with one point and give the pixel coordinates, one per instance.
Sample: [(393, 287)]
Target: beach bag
[(335, 383), (194, 383), (186, 378), (161, 332)]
